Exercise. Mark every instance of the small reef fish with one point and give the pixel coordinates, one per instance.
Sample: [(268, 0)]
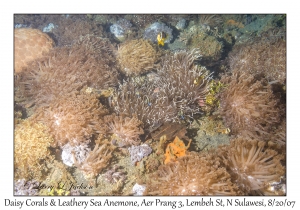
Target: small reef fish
[(198, 80), (161, 37)]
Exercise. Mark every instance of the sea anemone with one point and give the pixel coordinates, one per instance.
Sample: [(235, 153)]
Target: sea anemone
[(125, 131), (137, 56), (263, 57), (143, 103), (97, 159), (172, 96), (252, 164), (248, 106), (73, 119), (194, 174), (65, 71), (182, 82)]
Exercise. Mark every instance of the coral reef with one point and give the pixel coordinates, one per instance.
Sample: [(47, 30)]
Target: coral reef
[(70, 28), (154, 29), (67, 28), (137, 56), (73, 119), (252, 164), (193, 174), (29, 44), (124, 131), (137, 153), (32, 142), (97, 159), (113, 110), (66, 70), (248, 106), (261, 57)]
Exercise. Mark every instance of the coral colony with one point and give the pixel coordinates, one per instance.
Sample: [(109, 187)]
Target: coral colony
[(131, 104)]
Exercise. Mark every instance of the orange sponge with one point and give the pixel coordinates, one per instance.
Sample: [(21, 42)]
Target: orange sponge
[(30, 44), (175, 149)]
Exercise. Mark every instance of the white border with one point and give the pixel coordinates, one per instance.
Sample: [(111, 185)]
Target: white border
[(151, 6)]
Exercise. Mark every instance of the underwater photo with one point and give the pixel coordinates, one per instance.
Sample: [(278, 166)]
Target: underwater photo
[(149, 104)]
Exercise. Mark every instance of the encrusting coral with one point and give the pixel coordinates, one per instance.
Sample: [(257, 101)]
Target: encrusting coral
[(67, 70), (252, 164), (193, 174), (248, 106), (73, 119), (137, 56), (29, 44), (31, 152)]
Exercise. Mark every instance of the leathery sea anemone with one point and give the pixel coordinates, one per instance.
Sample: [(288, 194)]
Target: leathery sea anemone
[(182, 82), (124, 130), (97, 159), (248, 106), (252, 164), (73, 119), (144, 105), (262, 56), (67, 70), (193, 174)]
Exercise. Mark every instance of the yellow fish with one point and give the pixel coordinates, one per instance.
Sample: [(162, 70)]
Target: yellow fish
[(161, 37), (198, 80)]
